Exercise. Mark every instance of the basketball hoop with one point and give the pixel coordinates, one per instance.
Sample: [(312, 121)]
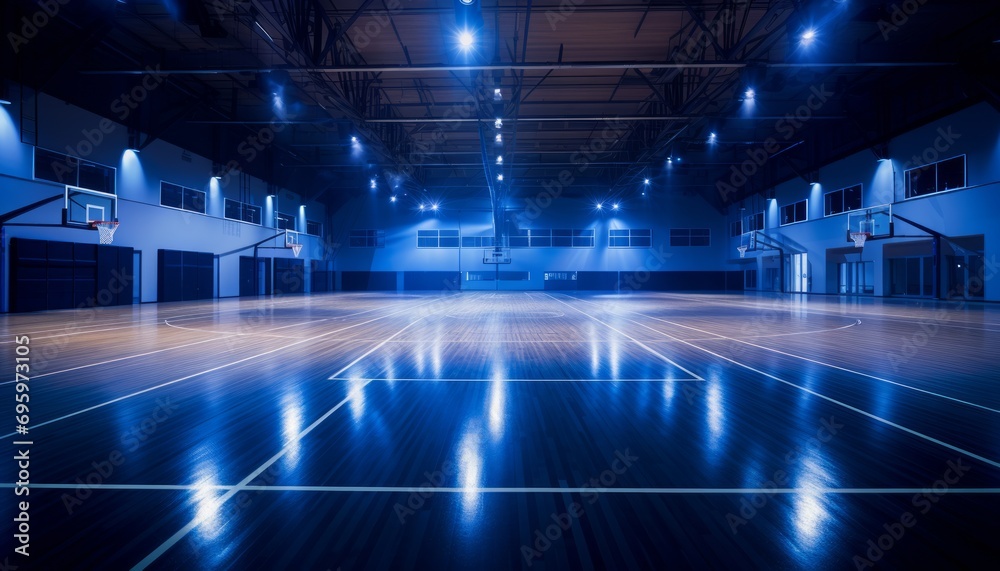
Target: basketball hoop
[(860, 238), (106, 229), (296, 248), (743, 251)]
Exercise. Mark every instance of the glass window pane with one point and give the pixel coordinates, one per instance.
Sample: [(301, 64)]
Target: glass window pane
[(800, 211), (852, 197), (641, 241), (618, 242), (171, 195), (951, 174)]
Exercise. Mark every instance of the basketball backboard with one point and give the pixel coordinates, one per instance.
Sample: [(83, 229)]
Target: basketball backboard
[(875, 221), (82, 206)]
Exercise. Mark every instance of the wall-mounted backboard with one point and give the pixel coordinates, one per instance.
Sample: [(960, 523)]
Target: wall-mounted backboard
[(875, 221), (82, 206)]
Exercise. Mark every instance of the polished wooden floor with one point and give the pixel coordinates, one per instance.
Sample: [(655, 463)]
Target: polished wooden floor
[(510, 430)]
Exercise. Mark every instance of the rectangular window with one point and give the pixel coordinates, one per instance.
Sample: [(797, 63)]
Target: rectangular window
[(630, 238), (437, 238), (562, 238), (540, 238), (795, 212), (735, 228), (366, 238), (477, 241), (750, 279), (584, 238), (842, 200), (236, 210), (948, 174), (176, 196), (284, 221), (682, 237), (313, 228), (69, 170)]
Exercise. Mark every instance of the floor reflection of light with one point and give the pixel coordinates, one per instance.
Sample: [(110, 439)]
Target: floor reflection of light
[(668, 393), (205, 498), (418, 358), (291, 425), (470, 471), (713, 398), (356, 397), (808, 516), (436, 357), (614, 356), (390, 371), (498, 394)]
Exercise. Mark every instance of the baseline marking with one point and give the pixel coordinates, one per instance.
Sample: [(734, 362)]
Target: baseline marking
[(181, 533), (504, 490), (877, 418), (634, 340)]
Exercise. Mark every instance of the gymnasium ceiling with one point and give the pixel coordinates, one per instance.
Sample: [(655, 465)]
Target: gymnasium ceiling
[(599, 93)]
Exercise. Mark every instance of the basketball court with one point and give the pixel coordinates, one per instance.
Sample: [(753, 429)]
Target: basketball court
[(443, 430)]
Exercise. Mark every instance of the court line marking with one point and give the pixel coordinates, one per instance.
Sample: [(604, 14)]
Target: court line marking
[(181, 533), (720, 337), (127, 357), (213, 369), (131, 323), (636, 341), (940, 305), (502, 490), (877, 418), (507, 380)]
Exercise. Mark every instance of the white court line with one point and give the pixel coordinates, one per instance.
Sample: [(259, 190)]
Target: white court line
[(508, 380), (877, 418), (501, 490), (250, 358), (146, 354), (634, 340), (131, 323), (173, 539), (869, 314), (720, 337)]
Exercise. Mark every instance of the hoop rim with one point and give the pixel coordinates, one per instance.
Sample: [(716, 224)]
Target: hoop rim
[(860, 238)]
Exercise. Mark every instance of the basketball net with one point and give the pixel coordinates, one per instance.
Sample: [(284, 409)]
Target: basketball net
[(296, 248), (742, 250), (859, 238), (106, 230)]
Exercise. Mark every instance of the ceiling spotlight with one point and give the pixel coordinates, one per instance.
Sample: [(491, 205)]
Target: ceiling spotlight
[(392, 198), (670, 160), (434, 206), (645, 181), (466, 39), (600, 205), (354, 140), (498, 139), (500, 177), (498, 124), (467, 2), (421, 207), (749, 94), (497, 94), (499, 159), (372, 183), (614, 206), (808, 36)]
